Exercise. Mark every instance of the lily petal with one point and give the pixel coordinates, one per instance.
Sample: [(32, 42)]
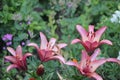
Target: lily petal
[(71, 63), (99, 33), (51, 43), (95, 54), (34, 45), (61, 45), (91, 28), (58, 57), (27, 55), (82, 32), (11, 59), (19, 51), (113, 60), (44, 41), (24, 58), (105, 42), (95, 76), (95, 64), (76, 41), (84, 57), (11, 67), (11, 50)]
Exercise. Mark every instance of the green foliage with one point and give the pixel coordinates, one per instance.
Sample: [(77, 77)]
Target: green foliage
[(24, 19)]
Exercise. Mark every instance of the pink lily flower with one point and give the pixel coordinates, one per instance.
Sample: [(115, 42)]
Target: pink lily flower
[(18, 60), (48, 50), (89, 64), (91, 40)]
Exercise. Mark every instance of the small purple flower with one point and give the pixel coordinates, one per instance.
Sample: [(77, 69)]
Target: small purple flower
[(29, 22), (7, 37), (8, 43), (23, 43), (4, 48)]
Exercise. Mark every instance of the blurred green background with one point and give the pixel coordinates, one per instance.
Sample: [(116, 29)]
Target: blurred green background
[(24, 19)]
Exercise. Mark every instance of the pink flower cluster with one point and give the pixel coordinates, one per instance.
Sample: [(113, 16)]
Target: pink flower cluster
[(49, 50)]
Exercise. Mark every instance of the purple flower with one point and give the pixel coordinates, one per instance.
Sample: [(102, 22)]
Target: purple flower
[(7, 37), (23, 43), (8, 43), (29, 22)]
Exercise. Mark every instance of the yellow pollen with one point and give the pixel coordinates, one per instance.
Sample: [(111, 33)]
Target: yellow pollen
[(74, 60)]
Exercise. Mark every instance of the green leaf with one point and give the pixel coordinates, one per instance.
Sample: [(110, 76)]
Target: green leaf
[(23, 36)]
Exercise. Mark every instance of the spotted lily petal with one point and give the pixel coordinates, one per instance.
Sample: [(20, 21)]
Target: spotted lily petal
[(95, 76), (95, 54), (19, 51), (76, 41), (11, 67), (82, 32), (95, 64), (84, 57), (11, 59), (44, 41), (99, 33), (105, 42), (11, 50)]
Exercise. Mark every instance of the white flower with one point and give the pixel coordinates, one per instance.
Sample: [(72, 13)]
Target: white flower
[(117, 13), (115, 17), (118, 56)]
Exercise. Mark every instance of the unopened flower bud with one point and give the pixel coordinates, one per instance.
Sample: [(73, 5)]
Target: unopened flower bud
[(32, 79), (40, 70)]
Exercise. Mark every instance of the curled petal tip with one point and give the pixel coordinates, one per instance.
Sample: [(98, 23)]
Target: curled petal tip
[(11, 67), (113, 60), (106, 42), (75, 41), (34, 45)]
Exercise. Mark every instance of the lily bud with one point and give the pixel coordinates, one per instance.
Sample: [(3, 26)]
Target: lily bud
[(32, 79), (40, 70)]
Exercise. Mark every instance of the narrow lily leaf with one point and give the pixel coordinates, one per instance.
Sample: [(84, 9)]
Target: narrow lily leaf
[(11, 50), (44, 41)]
